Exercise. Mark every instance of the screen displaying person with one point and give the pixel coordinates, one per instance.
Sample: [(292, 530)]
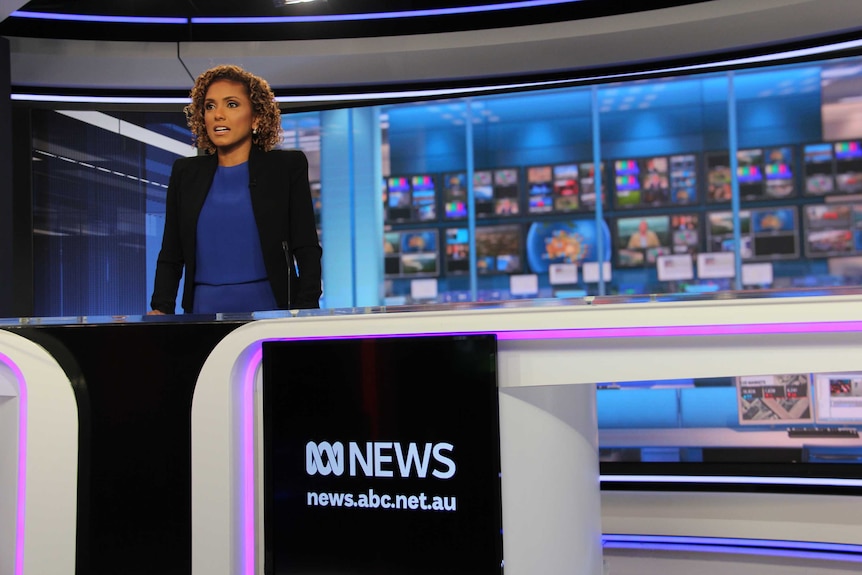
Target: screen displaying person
[(643, 238), (238, 217)]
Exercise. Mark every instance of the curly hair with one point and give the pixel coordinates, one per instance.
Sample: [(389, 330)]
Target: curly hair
[(264, 107)]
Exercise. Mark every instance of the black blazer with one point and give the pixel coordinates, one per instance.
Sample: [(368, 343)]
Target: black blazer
[(281, 202)]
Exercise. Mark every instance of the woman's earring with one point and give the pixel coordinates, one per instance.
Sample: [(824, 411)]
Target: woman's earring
[(254, 131)]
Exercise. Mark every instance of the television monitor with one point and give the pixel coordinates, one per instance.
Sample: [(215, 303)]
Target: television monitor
[(499, 249), (720, 231), (455, 195), (640, 240), (587, 182), (775, 233), (506, 192), (838, 397), (819, 169), (718, 177), (848, 166), (778, 167), (316, 201), (749, 174), (566, 242), (683, 179), (457, 251), (627, 184), (566, 188), (399, 205), (411, 253), (483, 193), (685, 233), (654, 181), (774, 399), (540, 189), (424, 192), (829, 230)]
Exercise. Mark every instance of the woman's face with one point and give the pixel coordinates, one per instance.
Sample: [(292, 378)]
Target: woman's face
[(229, 116)]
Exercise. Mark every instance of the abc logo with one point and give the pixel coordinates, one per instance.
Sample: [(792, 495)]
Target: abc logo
[(380, 459)]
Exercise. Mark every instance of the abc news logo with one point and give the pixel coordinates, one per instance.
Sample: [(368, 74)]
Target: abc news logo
[(380, 459)]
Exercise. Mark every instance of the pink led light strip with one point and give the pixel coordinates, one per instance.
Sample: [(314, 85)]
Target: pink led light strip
[(22, 463)]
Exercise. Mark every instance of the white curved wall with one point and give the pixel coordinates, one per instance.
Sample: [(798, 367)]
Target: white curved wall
[(702, 28)]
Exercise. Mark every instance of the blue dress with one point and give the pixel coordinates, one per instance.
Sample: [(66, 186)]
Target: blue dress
[(230, 274)]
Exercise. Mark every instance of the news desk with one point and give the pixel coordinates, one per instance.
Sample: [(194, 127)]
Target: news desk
[(137, 440)]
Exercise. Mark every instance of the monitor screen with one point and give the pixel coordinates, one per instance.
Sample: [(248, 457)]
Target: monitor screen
[(774, 233), (566, 188), (641, 240), (455, 195), (720, 232), (774, 399), (381, 456), (499, 249), (457, 251), (506, 192), (829, 230), (424, 192), (718, 177), (398, 205), (627, 184), (587, 181), (848, 166), (483, 193), (565, 242), (838, 397), (540, 189), (778, 167), (654, 181), (749, 174), (685, 233), (819, 169), (412, 253), (683, 179)]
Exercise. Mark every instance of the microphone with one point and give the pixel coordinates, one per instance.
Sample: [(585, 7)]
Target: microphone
[(286, 249)]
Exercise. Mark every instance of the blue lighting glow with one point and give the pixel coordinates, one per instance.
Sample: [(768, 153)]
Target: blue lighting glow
[(762, 547), (734, 480), (97, 18), (381, 15)]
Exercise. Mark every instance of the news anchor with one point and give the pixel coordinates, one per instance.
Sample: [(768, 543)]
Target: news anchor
[(240, 216)]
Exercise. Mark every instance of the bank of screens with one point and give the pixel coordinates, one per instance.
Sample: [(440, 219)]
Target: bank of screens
[(499, 249), (833, 230), (766, 233), (561, 188), (774, 399), (640, 241), (411, 198), (762, 173), (656, 181), (838, 397), (413, 253), (496, 192)]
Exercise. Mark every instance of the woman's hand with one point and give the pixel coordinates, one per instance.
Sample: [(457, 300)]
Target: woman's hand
[(156, 312)]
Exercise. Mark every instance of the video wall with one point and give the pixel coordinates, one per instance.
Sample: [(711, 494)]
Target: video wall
[(669, 212)]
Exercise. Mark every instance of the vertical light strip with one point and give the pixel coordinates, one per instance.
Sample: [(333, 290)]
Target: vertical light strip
[(471, 201), (22, 464), (733, 141), (247, 457), (597, 184), (351, 170)]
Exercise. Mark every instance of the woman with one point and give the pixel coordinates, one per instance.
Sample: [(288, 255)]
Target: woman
[(237, 217)]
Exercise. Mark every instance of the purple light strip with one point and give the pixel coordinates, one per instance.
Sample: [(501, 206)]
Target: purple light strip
[(247, 409), (248, 512), (382, 15), (742, 550), (97, 18), (736, 542), (734, 480), (22, 464)]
